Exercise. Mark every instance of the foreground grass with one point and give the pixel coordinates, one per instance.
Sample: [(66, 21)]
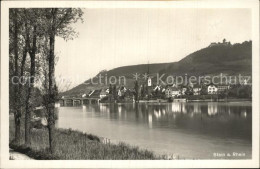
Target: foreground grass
[(74, 145)]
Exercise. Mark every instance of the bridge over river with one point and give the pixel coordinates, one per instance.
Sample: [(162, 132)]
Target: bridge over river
[(78, 101)]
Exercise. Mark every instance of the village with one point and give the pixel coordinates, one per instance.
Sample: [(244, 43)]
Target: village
[(150, 92)]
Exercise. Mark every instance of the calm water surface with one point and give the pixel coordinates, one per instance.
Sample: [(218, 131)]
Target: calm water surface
[(190, 130)]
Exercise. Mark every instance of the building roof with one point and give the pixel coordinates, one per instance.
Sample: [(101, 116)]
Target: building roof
[(211, 84), (157, 87), (95, 93), (103, 92)]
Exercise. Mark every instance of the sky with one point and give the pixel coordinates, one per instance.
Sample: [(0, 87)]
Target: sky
[(111, 38)]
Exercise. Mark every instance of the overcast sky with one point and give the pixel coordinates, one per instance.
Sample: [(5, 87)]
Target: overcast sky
[(111, 38)]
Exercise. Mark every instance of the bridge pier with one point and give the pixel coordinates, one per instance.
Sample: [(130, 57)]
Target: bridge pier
[(67, 102), (76, 102), (61, 102), (85, 101)]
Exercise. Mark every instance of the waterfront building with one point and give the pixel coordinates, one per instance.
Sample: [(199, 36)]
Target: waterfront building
[(197, 89), (157, 87), (168, 92), (119, 93), (103, 93), (95, 93), (223, 88), (212, 89), (171, 92), (176, 92), (183, 90)]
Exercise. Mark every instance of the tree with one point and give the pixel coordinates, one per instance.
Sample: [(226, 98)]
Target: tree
[(29, 19), (110, 92), (14, 51), (28, 38), (142, 92), (58, 23), (136, 90), (18, 50), (31, 16), (204, 90), (110, 89), (114, 92), (189, 91), (240, 91)]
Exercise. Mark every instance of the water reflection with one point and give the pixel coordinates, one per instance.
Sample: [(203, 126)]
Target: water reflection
[(205, 118), (212, 109), (177, 125), (160, 110), (150, 120)]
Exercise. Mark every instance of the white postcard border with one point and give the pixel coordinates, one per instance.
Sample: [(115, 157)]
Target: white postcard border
[(6, 163)]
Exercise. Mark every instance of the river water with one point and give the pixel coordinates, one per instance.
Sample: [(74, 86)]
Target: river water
[(192, 130)]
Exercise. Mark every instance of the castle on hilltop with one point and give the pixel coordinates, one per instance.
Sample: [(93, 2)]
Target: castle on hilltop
[(224, 42)]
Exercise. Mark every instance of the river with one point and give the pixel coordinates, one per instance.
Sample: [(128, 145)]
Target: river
[(192, 130)]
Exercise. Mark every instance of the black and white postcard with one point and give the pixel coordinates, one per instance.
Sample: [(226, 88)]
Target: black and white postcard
[(129, 84)]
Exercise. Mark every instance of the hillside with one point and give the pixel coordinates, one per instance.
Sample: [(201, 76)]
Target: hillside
[(143, 68), (228, 59), (126, 71)]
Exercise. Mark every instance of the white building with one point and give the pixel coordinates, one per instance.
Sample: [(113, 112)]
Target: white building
[(172, 92), (119, 93), (183, 91), (157, 88), (212, 89), (223, 88), (103, 93), (196, 89)]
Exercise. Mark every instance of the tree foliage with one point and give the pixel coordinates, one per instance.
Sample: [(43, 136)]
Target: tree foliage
[(32, 33)]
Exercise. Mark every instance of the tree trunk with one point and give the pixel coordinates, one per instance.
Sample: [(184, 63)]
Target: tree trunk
[(29, 106), (26, 48), (17, 119), (51, 92), (51, 81), (51, 128), (17, 113), (19, 100)]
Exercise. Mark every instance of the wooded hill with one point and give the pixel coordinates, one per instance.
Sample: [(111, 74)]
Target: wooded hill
[(227, 59)]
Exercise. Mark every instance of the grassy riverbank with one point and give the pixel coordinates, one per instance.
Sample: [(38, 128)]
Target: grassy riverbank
[(74, 145)]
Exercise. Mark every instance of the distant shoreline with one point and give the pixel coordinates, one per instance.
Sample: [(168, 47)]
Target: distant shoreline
[(186, 100), (223, 100)]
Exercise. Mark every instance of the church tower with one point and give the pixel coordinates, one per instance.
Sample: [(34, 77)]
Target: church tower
[(149, 81)]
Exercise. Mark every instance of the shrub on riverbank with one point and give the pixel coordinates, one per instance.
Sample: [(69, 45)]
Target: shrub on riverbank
[(74, 145)]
